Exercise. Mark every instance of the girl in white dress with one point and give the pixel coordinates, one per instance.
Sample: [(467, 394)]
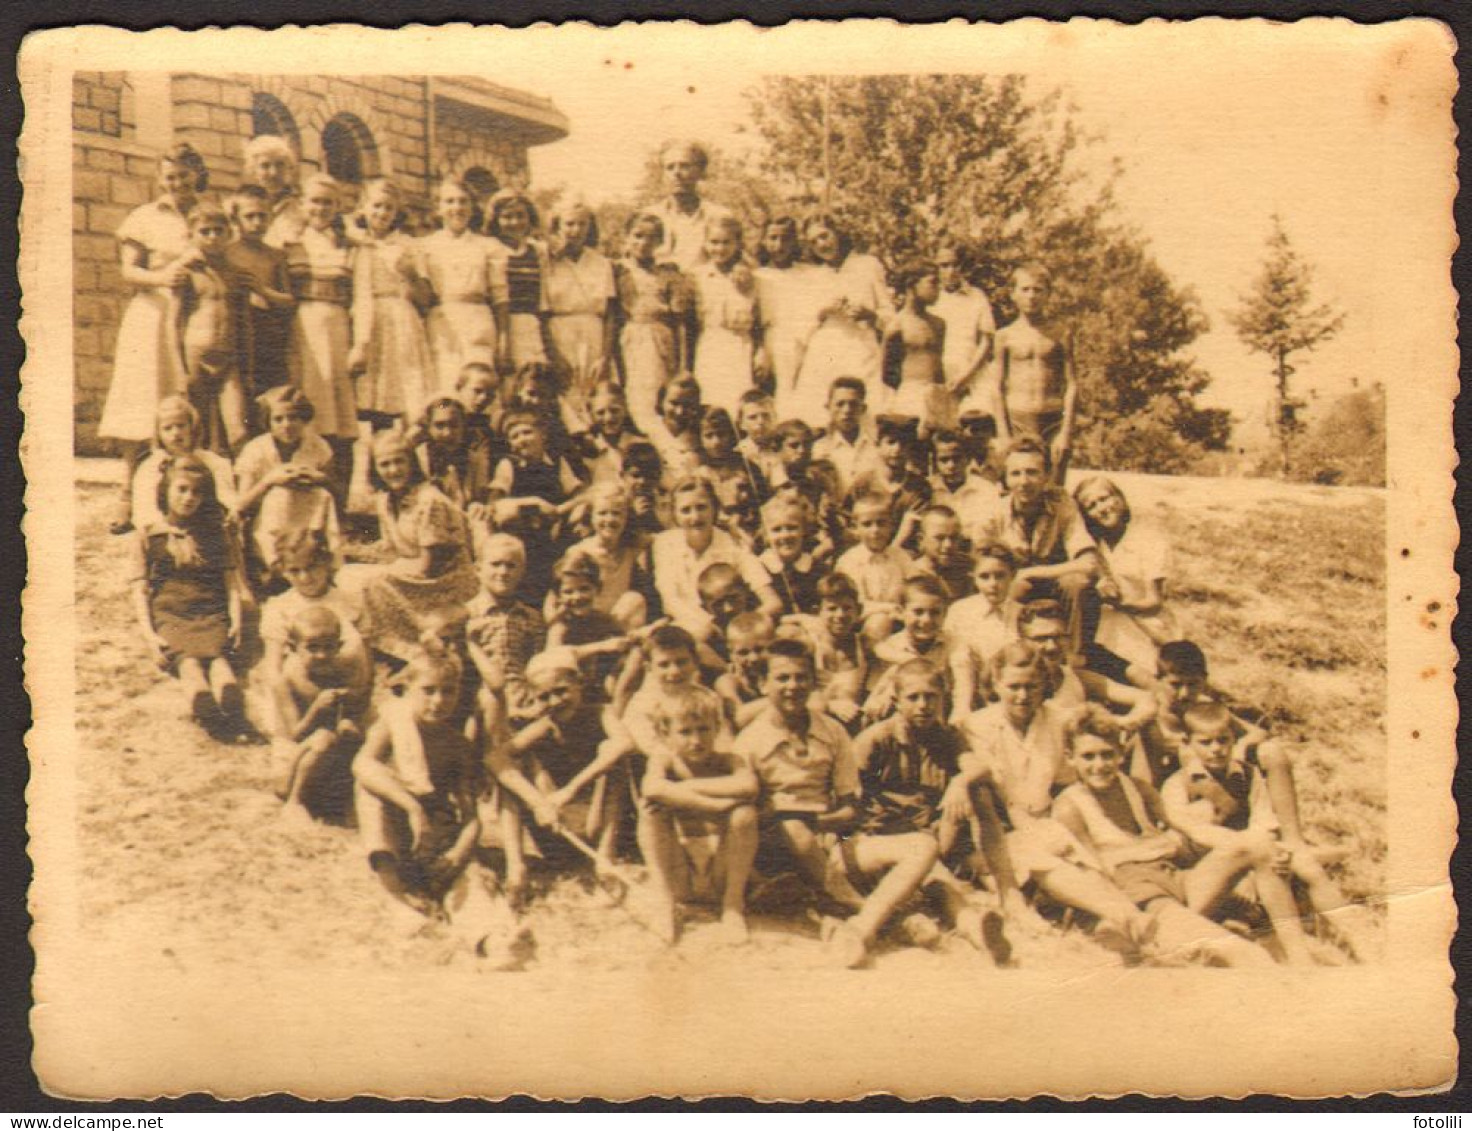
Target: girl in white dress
[(784, 289), (148, 360), (457, 263), (727, 323), (580, 290), (652, 299), (853, 306), (319, 266), (390, 354)]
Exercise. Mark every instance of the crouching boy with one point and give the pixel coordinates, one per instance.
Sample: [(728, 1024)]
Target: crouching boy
[(416, 786), (697, 821), (806, 766)]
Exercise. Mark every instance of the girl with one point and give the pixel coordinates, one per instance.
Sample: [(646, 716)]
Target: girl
[(390, 354), (320, 267), (429, 543), (784, 286), (457, 263), (677, 433), (443, 453), (619, 553), (651, 296), (188, 597), (608, 435), (176, 435), (727, 347), (155, 258), (517, 282), (282, 478), (1134, 619), (720, 456), (913, 345), (579, 290), (852, 303)]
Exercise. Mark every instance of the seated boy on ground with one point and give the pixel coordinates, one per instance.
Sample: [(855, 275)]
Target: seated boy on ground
[(724, 596), (662, 668), (923, 611), (320, 695), (810, 786), (416, 787), (697, 821), (1219, 799), (906, 763), (941, 553), (547, 766), (748, 638), (1124, 823), (1182, 682), (503, 632)]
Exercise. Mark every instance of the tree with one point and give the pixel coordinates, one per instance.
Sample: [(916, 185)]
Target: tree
[(904, 161), (1278, 318), (1346, 444)]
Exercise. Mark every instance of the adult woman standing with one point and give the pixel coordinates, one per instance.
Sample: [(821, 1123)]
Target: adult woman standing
[(270, 163), (148, 361), (852, 306), (1134, 619)]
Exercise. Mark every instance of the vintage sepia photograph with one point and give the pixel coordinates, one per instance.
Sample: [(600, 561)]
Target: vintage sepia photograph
[(557, 546)]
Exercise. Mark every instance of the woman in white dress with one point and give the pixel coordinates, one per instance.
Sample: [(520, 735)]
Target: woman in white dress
[(148, 360), (853, 306), (457, 262), (1134, 619)]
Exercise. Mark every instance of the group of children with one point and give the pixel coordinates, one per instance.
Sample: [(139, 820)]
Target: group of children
[(624, 601)]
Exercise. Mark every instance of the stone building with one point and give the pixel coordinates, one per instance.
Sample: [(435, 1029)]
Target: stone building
[(413, 129)]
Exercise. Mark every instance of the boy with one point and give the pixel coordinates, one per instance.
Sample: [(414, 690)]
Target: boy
[(267, 325), (923, 612), (504, 632), (847, 445), (895, 478), (793, 570), (1043, 528), (1220, 798), (320, 694), (797, 474), (547, 765), (416, 787), (1042, 624), (1124, 823), (304, 561), (842, 654), (956, 483), (748, 639), (724, 596), (906, 763), (755, 418), (980, 622), (697, 822), (941, 554), (1182, 682), (970, 326), (740, 514), (810, 786), (209, 304), (667, 665), (649, 507), (876, 566), (1036, 392)]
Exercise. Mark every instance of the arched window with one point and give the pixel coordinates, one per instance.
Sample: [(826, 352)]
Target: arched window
[(348, 150), (269, 115)]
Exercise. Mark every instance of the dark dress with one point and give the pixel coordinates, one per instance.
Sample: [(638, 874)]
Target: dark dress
[(189, 603)]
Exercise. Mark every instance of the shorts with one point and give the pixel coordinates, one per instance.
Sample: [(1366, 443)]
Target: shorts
[(1145, 881)]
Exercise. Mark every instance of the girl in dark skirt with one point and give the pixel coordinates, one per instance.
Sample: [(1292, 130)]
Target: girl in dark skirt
[(188, 595)]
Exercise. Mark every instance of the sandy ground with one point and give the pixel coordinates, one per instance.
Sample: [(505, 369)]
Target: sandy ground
[(183, 846)]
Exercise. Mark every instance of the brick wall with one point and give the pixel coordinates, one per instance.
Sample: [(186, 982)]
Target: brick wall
[(113, 174)]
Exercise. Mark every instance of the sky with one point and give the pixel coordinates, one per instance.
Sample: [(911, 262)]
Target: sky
[(1326, 130)]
